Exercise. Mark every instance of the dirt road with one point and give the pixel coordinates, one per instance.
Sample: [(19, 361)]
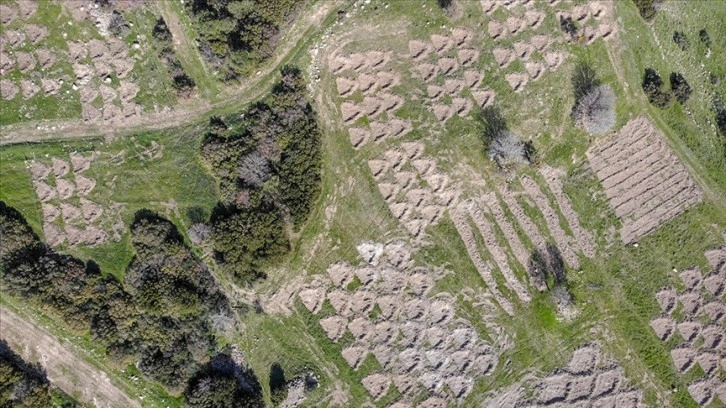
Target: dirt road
[(236, 97), (65, 367)]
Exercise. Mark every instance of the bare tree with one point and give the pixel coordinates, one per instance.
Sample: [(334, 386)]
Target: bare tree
[(595, 111), (507, 148), (199, 233), (255, 169)]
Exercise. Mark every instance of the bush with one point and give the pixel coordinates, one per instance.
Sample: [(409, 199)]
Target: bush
[(647, 8), (680, 87), (223, 384), (568, 26), (680, 38), (705, 38), (595, 111), (118, 25), (652, 84)]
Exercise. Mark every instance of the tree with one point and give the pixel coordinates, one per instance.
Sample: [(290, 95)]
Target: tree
[(680, 38), (595, 111), (502, 145), (647, 8), (584, 80), (278, 384), (680, 87), (652, 84), (21, 384), (254, 169), (222, 383)]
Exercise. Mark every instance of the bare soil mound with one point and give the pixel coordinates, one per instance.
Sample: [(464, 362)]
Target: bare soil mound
[(39, 171), (484, 97), (26, 61), (503, 56), (419, 49), (54, 236), (65, 188), (29, 88), (6, 63), (468, 56), (517, 80), (334, 326), (473, 78), (498, 30), (44, 191), (441, 43), (35, 32)]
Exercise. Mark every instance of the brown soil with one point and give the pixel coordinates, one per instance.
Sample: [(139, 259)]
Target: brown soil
[(434, 91), (441, 43), (70, 212), (443, 112), (50, 86), (7, 14), (515, 24), (607, 382), (701, 392), (39, 171), (541, 42), (127, 91), (29, 88), (44, 191), (564, 242), (46, 58), (554, 59), (483, 97), (387, 79), (663, 327), (376, 385), (584, 360), (359, 136), (523, 50), (426, 71), (484, 269), (419, 49), (517, 80), (712, 336), (91, 211), (584, 239), (534, 18), (334, 326), (65, 188), (350, 111), (453, 86), (340, 274), (26, 61), (340, 300), (688, 330), (553, 389), (473, 78), (462, 36), (54, 236), (581, 387), (448, 65), (35, 32), (503, 56), (683, 358), (467, 56), (312, 299), (498, 30), (534, 69), (715, 310), (515, 243), (666, 299), (354, 355), (714, 284), (13, 38), (78, 50)]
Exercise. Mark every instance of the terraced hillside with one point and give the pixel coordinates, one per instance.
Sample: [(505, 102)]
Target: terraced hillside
[(468, 241)]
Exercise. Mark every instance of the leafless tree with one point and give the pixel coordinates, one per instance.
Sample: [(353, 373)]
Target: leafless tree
[(506, 148), (254, 169), (595, 111), (199, 233)]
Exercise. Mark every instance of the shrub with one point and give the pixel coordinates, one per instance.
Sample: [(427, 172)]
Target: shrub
[(501, 145), (595, 111), (118, 25), (680, 87), (705, 38), (652, 84), (568, 26), (680, 38), (647, 8)]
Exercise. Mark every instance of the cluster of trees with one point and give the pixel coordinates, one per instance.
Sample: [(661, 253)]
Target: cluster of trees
[(183, 83), (164, 315), (268, 166), (222, 383), (594, 108), (647, 8), (26, 385), (548, 273), (653, 88), (502, 145), (236, 35)]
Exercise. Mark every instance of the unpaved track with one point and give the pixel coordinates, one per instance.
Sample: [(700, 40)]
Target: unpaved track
[(66, 369), (250, 90)]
